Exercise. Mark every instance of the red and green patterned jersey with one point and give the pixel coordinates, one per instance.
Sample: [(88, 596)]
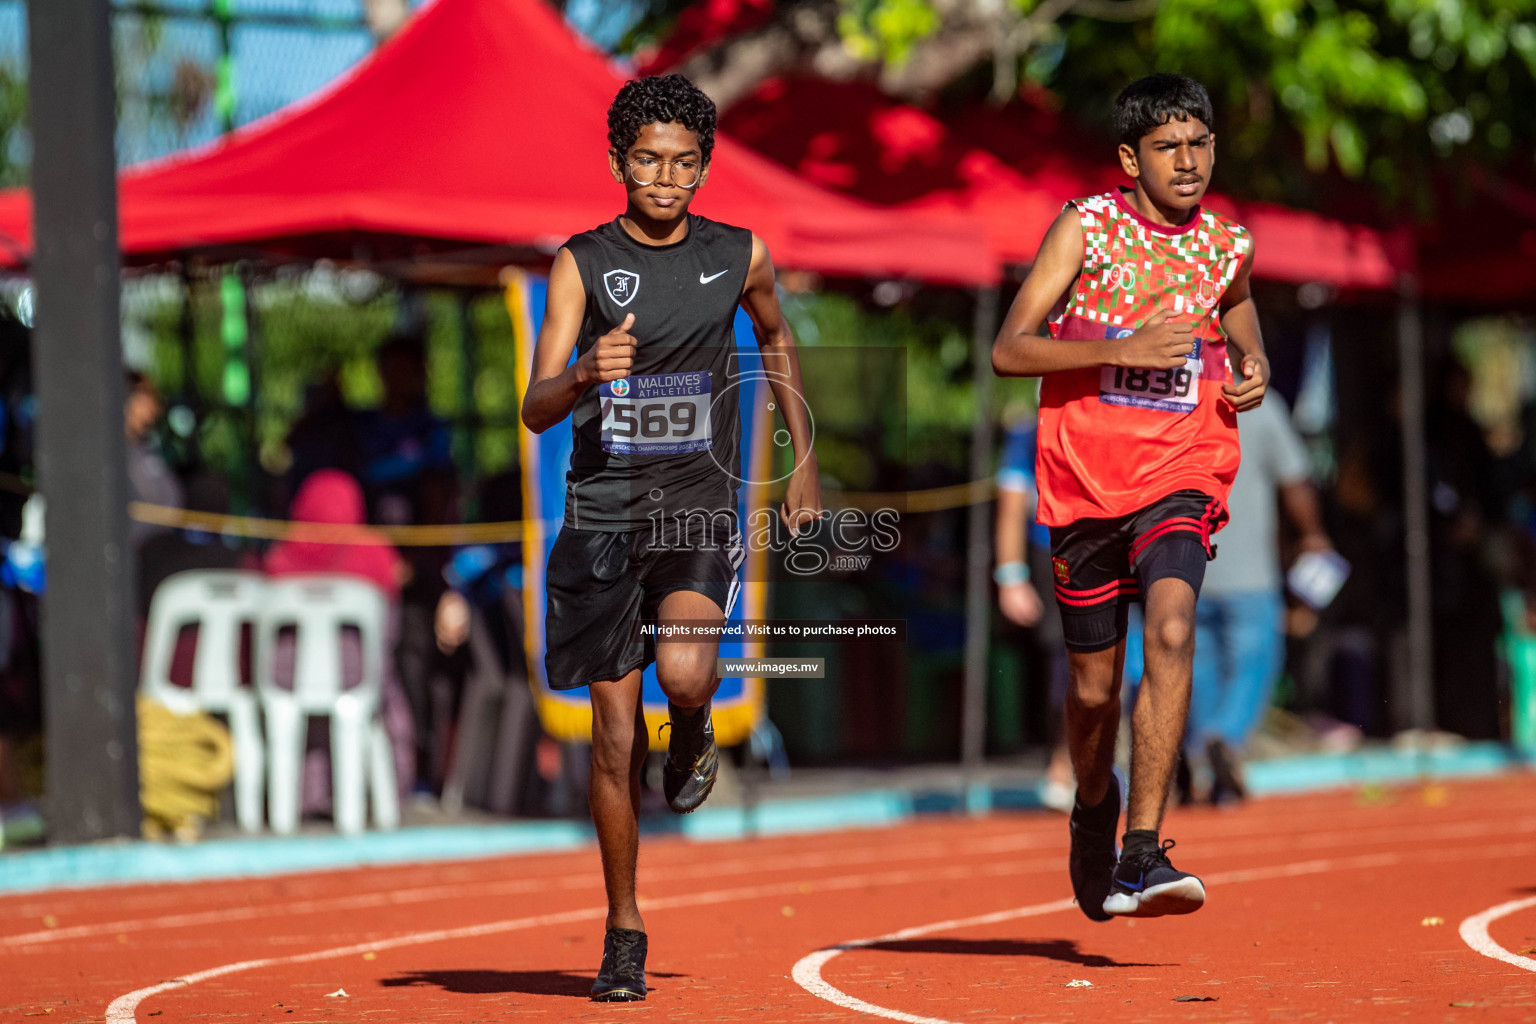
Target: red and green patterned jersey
[(1114, 440)]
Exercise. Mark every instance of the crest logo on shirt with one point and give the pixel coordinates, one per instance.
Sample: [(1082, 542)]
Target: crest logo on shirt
[(1063, 571), (623, 285), (1206, 294)]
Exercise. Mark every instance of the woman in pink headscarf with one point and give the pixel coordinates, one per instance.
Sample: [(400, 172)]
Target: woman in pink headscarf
[(344, 544), (340, 542)]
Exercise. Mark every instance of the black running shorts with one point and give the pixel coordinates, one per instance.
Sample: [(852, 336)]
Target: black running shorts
[(600, 585), (1102, 565)]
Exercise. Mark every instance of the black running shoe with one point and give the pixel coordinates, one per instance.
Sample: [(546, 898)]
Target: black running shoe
[(1147, 885), (1092, 860), (621, 979), (693, 761)]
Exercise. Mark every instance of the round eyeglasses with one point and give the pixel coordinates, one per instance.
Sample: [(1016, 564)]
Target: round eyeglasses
[(646, 170)]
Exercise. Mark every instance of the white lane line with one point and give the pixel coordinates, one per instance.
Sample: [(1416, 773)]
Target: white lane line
[(807, 971), (479, 890), (590, 880), (123, 1009), (1474, 932), (593, 880)]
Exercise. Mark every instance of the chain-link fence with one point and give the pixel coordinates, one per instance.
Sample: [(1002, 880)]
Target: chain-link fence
[(188, 70)]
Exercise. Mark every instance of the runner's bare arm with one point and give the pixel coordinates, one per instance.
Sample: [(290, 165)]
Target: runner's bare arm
[(802, 498), (1023, 350), (1240, 322), (556, 383)]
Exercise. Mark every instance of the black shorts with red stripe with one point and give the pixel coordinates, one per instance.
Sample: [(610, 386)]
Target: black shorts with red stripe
[(1102, 565)]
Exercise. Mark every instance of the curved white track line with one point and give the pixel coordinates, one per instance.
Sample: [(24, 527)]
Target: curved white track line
[(1474, 932), (123, 1009), (807, 971)]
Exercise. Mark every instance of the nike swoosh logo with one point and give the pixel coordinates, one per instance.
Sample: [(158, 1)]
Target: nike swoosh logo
[(1141, 883), (711, 277)]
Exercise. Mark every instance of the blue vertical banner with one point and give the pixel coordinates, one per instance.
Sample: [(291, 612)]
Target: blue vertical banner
[(567, 714)]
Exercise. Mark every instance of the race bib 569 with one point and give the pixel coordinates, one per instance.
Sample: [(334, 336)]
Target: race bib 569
[(657, 414)]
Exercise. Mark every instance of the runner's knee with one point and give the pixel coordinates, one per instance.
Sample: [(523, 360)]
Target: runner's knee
[(686, 673), (1172, 634), (1093, 683)]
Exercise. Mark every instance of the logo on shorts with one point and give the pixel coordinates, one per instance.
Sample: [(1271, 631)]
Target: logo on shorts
[(619, 388), (623, 285), (1063, 571)]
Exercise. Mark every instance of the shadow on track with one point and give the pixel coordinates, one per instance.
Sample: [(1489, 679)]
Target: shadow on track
[(533, 983), (1064, 950)]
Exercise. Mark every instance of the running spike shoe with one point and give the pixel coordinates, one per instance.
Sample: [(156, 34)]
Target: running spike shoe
[(621, 979), (692, 764), (1092, 860), (1146, 884)]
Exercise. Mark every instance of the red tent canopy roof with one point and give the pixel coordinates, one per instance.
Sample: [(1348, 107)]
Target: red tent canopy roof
[(484, 122), (1015, 168)]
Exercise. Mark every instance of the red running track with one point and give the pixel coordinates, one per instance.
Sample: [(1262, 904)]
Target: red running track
[(1331, 907)]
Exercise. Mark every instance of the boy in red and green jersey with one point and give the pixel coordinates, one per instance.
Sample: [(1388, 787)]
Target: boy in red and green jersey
[(1145, 293)]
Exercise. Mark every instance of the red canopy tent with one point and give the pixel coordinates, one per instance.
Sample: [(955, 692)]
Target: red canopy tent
[(483, 122), (1014, 168)]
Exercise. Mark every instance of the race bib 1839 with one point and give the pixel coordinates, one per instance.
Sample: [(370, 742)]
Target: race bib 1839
[(1176, 390), (658, 414)]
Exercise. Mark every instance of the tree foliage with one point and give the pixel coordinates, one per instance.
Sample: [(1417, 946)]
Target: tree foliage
[(1383, 91)]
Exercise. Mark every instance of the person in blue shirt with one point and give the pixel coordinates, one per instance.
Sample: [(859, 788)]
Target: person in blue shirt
[(1023, 555)]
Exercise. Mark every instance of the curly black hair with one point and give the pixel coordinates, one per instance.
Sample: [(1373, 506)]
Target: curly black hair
[(658, 100), (1148, 103)]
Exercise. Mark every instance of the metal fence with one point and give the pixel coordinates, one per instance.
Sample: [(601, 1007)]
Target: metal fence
[(188, 70)]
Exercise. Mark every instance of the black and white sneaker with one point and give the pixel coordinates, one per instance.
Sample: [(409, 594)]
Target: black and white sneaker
[(693, 762), (1092, 860), (621, 979), (1147, 885)]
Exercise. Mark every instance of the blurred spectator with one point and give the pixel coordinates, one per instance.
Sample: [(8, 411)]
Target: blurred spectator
[(149, 478), (1239, 642), (1344, 664), (1465, 509), (479, 633), (406, 449), (1026, 594), (21, 572), (18, 410), (165, 554), (332, 497), (410, 478), (324, 436)]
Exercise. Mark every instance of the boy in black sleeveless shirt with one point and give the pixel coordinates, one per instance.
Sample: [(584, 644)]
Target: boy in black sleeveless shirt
[(650, 532)]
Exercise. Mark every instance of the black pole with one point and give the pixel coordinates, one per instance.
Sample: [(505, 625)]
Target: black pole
[(88, 669), (1415, 709)]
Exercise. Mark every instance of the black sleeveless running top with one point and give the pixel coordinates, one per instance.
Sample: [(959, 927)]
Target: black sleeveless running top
[(664, 441)]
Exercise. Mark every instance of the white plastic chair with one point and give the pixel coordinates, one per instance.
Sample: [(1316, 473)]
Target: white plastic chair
[(218, 603), (319, 608)]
